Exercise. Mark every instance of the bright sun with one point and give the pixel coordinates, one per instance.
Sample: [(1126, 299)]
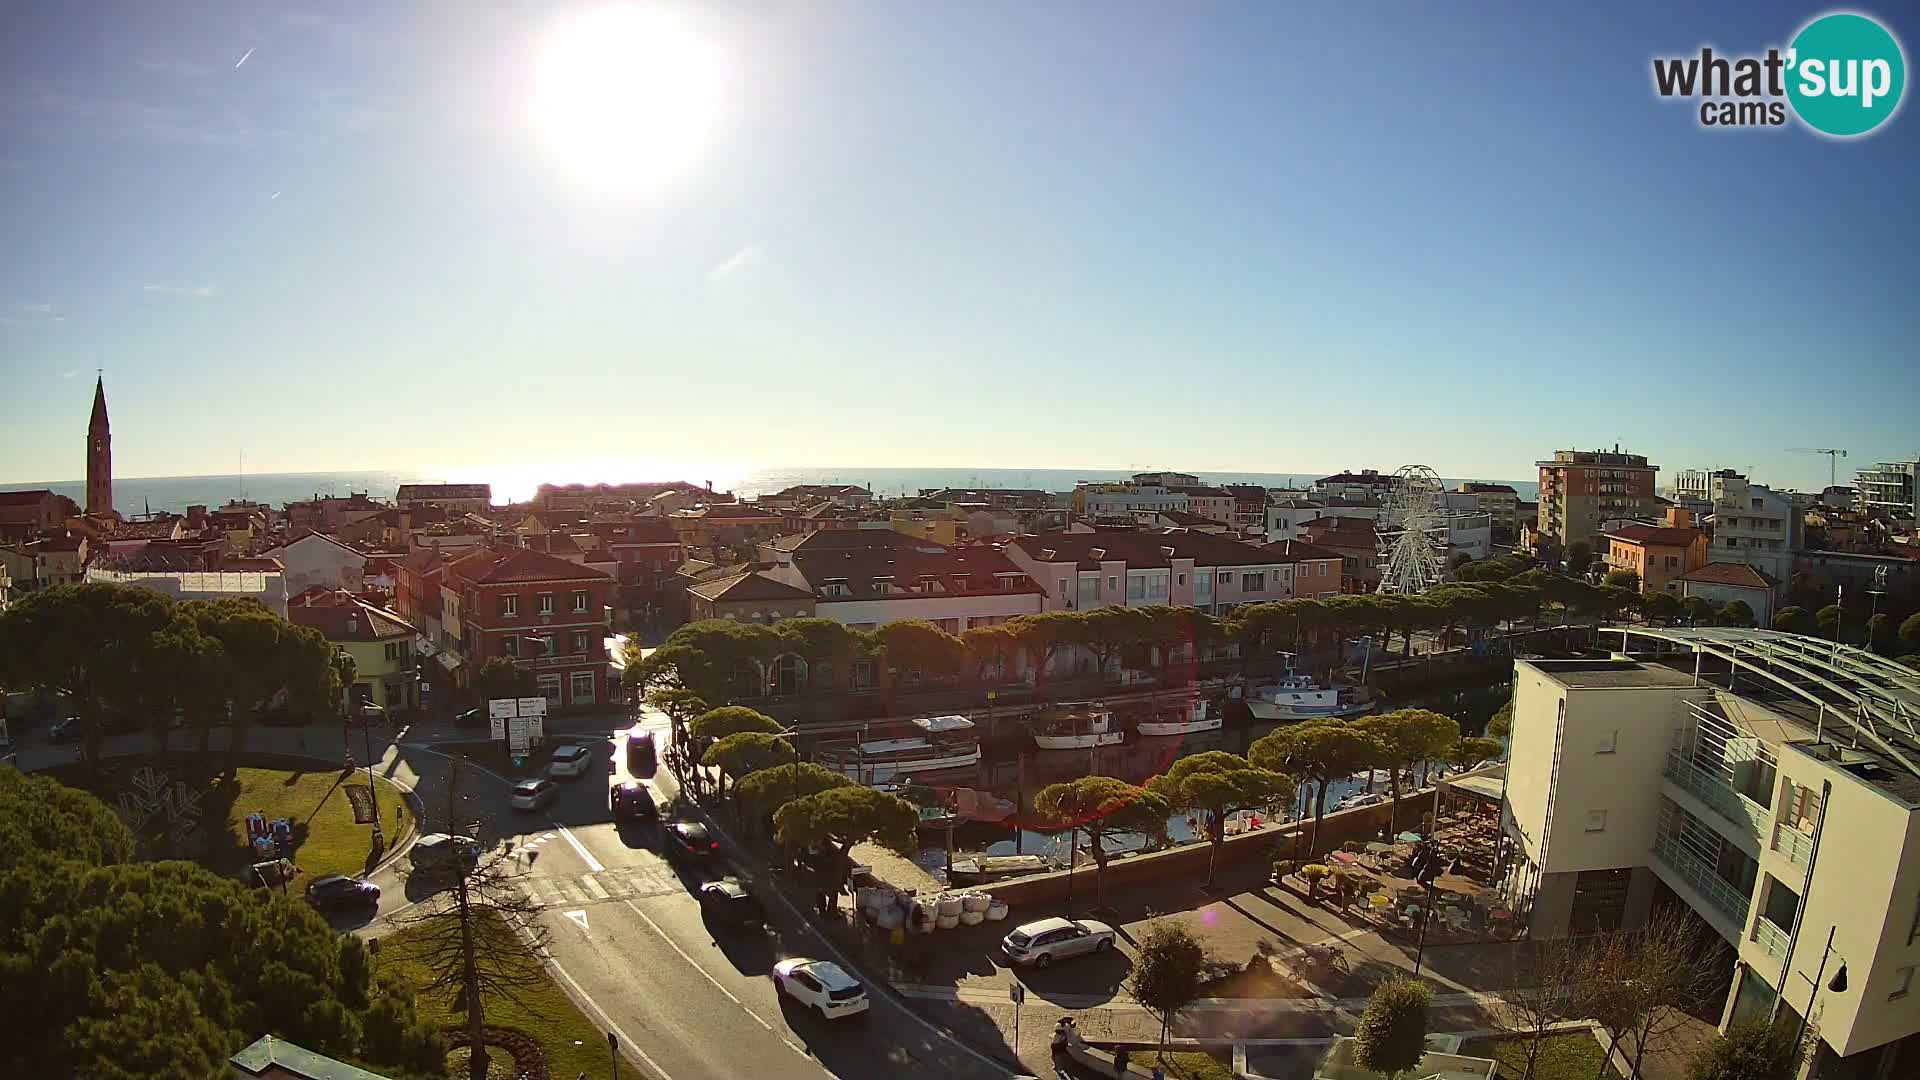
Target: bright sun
[(626, 96)]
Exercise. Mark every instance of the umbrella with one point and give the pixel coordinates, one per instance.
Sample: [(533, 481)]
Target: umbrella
[(1378, 848), (1409, 837)]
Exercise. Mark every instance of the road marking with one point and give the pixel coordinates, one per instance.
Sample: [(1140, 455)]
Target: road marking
[(577, 916), (626, 1040), (592, 885), (675, 946), (566, 834)]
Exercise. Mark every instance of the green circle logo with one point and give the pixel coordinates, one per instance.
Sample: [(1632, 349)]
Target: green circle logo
[(1845, 74)]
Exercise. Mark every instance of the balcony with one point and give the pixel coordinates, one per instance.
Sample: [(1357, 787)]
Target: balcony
[(1771, 938), (1728, 902), (1794, 844), (1718, 795)]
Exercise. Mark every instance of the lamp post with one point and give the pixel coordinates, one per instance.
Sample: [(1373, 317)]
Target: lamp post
[(613, 1052), (373, 791), (1838, 985)]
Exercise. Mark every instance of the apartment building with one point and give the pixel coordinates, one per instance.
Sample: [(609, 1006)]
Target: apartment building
[(380, 642), (1887, 489), (1121, 500), (1212, 503), (544, 613), (473, 498), (1499, 502), (1080, 571), (1755, 525), (1367, 486), (1660, 555), (1767, 781), (1580, 489), (866, 578)]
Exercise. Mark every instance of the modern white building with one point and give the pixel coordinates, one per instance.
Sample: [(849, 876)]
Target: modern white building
[(267, 587), (315, 558), (1887, 489), (1771, 783)]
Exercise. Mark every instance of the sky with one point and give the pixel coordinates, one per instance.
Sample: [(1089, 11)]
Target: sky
[(1232, 236)]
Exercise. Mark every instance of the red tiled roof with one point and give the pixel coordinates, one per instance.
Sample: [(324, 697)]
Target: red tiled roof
[(25, 498), (340, 616), (1655, 534), (753, 586), (1142, 549), (506, 565), (1729, 573), (959, 571), (1299, 551), (640, 530)]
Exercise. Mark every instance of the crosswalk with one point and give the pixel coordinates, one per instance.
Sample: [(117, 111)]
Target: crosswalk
[(613, 883)]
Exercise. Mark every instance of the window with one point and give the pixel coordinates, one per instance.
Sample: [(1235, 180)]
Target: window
[(582, 687), (1608, 743), (1253, 582), (510, 605), (1902, 982), (510, 645), (579, 641), (1182, 580), (1596, 821), (1136, 586), (543, 603), (580, 601), (1113, 585), (1226, 577), (549, 688), (1323, 570)]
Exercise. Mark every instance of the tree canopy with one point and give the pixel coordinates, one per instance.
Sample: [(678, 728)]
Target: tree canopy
[(1219, 784), (1101, 806), (845, 816), (1392, 1035), (1748, 1051), (717, 724), (42, 818), (1321, 751), (1794, 620), (744, 753), (1168, 971), (500, 677), (763, 793)]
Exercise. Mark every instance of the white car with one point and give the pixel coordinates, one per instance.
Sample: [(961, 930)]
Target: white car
[(570, 760), (532, 794), (1354, 802), (1041, 943), (820, 984)]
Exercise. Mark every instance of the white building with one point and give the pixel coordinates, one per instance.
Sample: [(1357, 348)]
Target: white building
[(1121, 500), (268, 588), (1887, 489), (1755, 525), (1769, 782), (318, 559)]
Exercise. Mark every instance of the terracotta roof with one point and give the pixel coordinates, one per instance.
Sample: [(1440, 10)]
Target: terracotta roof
[(640, 530), (1299, 551), (1656, 535), (66, 541), (845, 539), (725, 511), (1730, 573), (1142, 549), (1368, 477), (25, 498), (335, 541), (1202, 492), (505, 565), (959, 571), (340, 616), (751, 586)]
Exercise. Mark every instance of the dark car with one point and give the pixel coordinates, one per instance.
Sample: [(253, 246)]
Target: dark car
[(336, 891), (641, 760), (729, 903), (691, 840), (633, 802), (66, 729), (470, 718)]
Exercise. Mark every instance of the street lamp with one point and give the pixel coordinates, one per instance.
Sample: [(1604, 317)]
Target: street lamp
[(613, 1051), (1838, 985)]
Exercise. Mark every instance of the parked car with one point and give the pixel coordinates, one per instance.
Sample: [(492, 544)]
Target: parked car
[(569, 760), (728, 903), (691, 840), (632, 801), (439, 852), (470, 718), (334, 892), (1041, 943), (820, 984), (532, 794), (1354, 802), (65, 729), (641, 759)]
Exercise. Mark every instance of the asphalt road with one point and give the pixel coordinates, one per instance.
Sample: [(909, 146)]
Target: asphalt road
[(689, 1001)]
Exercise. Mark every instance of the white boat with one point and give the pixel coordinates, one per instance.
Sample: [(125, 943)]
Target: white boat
[(1301, 697), (1076, 727), (1180, 721), (927, 744)]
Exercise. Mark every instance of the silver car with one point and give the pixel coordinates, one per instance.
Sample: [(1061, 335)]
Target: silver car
[(1041, 943)]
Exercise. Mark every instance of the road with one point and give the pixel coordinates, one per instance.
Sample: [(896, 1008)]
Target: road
[(625, 932)]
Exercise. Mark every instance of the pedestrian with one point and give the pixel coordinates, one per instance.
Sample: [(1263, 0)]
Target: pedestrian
[(1120, 1062)]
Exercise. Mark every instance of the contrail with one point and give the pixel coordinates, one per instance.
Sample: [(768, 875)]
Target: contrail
[(243, 59)]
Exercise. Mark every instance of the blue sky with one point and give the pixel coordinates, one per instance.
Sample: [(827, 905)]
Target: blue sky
[(1242, 236)]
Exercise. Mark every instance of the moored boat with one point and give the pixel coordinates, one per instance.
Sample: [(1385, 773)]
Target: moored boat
[(1076, 727), (927, 744), (1181, 720), (1302, 697)]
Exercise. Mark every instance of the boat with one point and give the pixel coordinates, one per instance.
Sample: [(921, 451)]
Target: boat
[(986, 868), (1302, 697), (926, 744), (1180, 721), (1076, 727)]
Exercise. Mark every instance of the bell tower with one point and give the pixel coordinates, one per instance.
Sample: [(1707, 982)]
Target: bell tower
[(99, 456)]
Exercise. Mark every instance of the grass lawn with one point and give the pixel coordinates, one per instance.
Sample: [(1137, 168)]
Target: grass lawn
[(573, 1044), (1189, 1065), (1569, 1056), (327, 840)]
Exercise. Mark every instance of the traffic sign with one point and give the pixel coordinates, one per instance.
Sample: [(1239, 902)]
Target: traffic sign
[(1017, 993)]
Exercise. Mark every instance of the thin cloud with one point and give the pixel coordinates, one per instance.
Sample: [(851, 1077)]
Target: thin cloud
[(37, 309), (179, 290), (741, 263), (243, 58), (69, 373), (167, 63)]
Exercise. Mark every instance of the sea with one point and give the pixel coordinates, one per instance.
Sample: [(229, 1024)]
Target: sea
[(138, 494)]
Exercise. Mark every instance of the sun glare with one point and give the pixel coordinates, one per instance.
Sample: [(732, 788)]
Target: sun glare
[(626, 97)]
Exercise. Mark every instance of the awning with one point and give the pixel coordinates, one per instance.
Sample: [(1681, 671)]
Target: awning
[(1486, 785), (448, 660)]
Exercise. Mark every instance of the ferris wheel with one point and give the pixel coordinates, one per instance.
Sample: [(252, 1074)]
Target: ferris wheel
[(1413, 534)]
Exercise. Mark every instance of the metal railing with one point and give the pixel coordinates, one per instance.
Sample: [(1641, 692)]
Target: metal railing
[(1771, 938), (1717, 793), (1723, 896), (1794, 844)]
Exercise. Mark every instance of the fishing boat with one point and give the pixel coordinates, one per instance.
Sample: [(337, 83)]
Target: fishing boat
[(1076, 727), (1180, 721), (987, 868), (927, 744), (1302, 697)]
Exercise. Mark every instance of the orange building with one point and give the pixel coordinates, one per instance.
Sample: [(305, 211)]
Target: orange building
[(1659, 554)]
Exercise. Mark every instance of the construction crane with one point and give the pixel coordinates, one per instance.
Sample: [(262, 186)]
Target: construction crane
[(1833, 459)]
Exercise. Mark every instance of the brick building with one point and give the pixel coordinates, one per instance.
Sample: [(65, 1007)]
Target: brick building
[(546, 614)]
